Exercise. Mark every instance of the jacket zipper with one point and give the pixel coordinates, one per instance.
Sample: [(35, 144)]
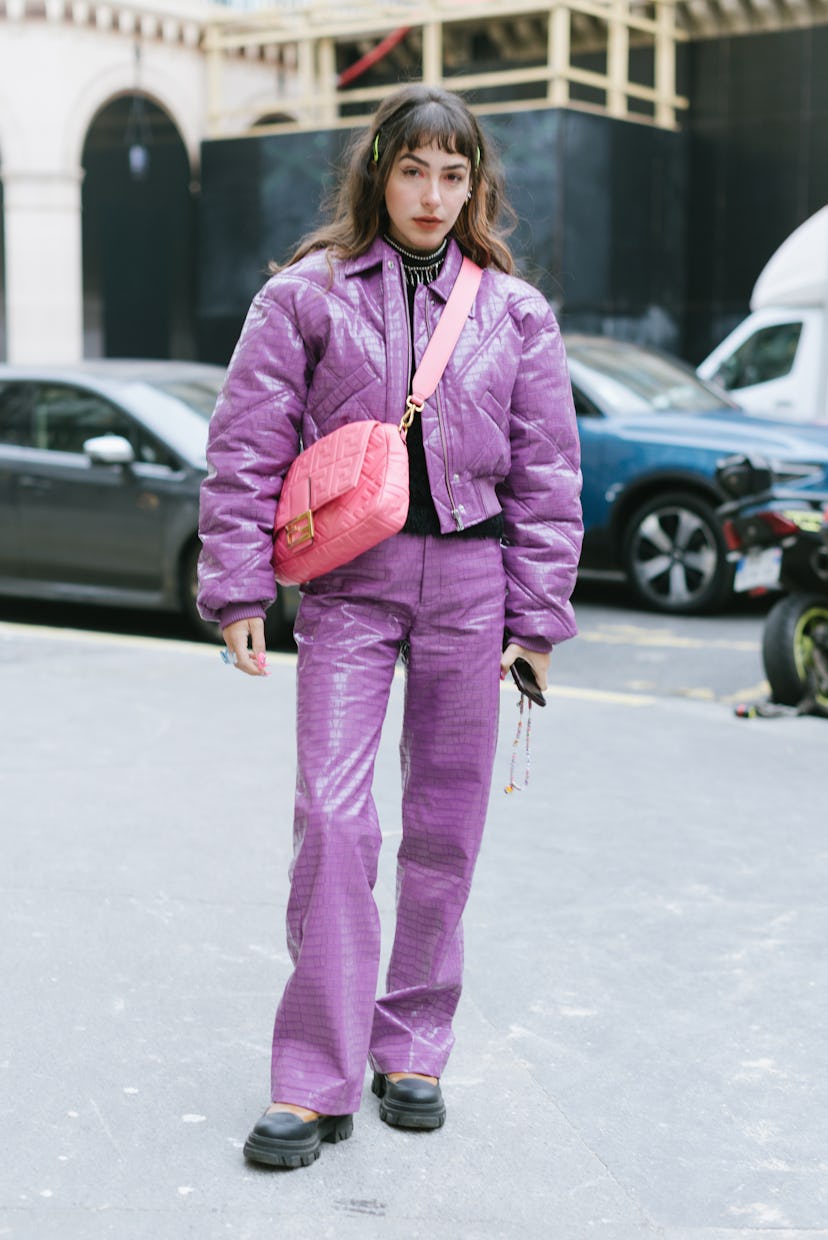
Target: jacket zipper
[(410, 325), (455, 512)]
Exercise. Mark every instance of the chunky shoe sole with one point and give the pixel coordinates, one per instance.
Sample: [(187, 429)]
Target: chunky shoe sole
[(425, 1116), (284, 1152)]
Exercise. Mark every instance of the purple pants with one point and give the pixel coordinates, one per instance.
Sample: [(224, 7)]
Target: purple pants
[(445, 598)]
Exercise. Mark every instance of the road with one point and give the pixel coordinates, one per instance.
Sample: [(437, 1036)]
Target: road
[(640, 1044), (624, 649)]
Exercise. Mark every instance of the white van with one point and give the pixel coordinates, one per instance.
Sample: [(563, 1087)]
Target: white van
[(776, 361)]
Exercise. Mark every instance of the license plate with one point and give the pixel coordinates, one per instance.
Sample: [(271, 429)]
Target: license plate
[(758, 570)]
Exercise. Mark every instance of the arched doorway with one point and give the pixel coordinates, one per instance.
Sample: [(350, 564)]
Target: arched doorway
[(138, 234)]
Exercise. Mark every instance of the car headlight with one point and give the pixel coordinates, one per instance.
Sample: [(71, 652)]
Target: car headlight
[(787, 472)]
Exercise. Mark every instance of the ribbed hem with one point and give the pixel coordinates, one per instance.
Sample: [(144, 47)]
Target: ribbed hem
[(240, 611), (536, 644), (424, 521)]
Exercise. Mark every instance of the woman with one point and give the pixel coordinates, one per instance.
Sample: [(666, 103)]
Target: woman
[(490, 547)]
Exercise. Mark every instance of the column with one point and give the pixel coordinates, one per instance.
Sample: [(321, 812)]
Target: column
[(326, 61), (433, 54), (618, 59), (558, 55), (665, 64), (44, 276)]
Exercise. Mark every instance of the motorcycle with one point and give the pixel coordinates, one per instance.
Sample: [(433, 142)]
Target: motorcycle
[(778, 541)]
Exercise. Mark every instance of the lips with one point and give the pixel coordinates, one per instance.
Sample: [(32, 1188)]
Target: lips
[(426, 220)]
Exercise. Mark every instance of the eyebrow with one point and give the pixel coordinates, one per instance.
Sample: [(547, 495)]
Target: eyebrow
[(424, 162)]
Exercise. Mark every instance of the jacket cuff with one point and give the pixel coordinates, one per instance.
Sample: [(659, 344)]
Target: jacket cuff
[(536, 644), (240, 611)]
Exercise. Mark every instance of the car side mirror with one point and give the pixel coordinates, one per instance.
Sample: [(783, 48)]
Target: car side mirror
[(109, 450)]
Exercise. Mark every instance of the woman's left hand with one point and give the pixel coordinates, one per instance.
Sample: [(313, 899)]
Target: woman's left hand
[(538, 662)]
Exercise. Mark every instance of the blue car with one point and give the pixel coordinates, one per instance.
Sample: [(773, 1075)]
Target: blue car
[(652, 434)]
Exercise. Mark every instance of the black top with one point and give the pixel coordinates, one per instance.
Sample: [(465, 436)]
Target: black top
[(422, 515)]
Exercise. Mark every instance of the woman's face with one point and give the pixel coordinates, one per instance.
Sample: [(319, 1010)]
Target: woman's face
[(424, 195)]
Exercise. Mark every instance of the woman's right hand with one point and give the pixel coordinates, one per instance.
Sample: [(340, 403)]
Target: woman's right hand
[(246, 640), (538, 662)]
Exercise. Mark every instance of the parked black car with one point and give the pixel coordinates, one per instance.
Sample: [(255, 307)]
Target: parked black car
[(100, 468)]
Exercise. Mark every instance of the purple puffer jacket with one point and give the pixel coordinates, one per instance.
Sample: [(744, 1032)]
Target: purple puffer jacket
[(500, 432)]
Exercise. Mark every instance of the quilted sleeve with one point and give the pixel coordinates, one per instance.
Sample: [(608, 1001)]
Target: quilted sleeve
[(540, 497), (253, 438)]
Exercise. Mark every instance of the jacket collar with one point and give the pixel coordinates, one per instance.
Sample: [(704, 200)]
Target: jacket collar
[(380, 251), (372, 257)]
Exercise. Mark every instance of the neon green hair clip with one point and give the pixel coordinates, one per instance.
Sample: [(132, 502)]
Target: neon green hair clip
[(375, 148)]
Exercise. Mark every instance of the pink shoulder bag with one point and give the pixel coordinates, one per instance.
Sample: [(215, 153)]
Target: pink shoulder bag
[(349, 490)]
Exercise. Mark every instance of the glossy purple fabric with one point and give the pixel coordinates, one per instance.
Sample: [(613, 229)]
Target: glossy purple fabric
[(446, 598), (324, 344)]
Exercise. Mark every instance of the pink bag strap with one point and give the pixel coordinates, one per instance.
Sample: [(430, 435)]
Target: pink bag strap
[(441, 345)]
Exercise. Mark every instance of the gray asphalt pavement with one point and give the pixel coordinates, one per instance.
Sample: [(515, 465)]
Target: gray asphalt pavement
[(640, 1045)]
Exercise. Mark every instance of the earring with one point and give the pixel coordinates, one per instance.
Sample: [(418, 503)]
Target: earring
[(468, 196)]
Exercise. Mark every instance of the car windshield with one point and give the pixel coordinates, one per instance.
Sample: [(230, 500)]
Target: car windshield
[(623, 378), (200, 394)]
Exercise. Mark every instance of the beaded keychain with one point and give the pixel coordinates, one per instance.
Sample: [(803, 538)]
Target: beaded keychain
[(512, 786)]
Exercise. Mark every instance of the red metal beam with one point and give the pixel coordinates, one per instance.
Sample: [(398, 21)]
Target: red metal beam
[(371, 58)]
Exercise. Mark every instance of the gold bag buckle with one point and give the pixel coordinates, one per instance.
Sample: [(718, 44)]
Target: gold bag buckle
[(412, 406), (300, 529)]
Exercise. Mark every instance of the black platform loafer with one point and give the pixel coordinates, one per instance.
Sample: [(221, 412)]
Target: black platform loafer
[(282, 1139), (409, 1103)]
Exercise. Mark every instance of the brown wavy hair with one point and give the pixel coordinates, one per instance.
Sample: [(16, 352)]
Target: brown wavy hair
[(412, 117)]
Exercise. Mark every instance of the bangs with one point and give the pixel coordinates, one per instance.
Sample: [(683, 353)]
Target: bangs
[(433, 123)]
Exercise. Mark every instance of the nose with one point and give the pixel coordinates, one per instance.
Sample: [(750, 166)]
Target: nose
[(431, 192)]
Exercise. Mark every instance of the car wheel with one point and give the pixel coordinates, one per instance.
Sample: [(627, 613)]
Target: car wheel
[(795, 649), (675, 555), (205, 629), (279, 623)]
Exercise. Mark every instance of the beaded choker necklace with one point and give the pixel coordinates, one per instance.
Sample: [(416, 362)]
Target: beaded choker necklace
[(420, 268)]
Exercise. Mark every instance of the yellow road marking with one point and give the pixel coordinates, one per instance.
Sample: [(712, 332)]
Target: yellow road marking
[(751, 694), (207, 649), (635, 635), (602, 695), (591, 695)]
